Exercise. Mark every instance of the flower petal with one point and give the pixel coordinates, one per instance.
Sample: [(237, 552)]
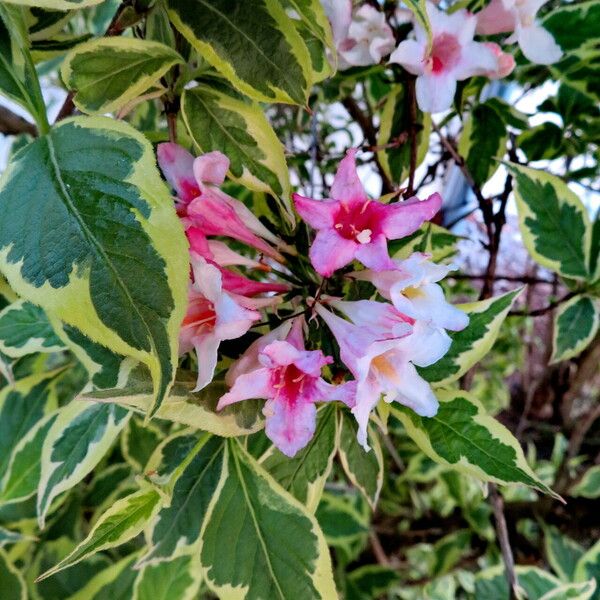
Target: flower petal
[(538, 45), (211, 168), (255, 384), (330, 251), (319, 214), (403, 218), (411, 55), (415, 392), (375, 255), (435, 92), (346, 185), (177, 164), (495, 18), (290, 426), (207, 347)]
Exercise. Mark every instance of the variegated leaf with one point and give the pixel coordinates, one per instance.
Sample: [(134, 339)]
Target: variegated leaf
[(76, 442), (285, 554), (216, 120), (554, 223), (462, 436), (471, 344), (492, 583), (178, 579), (122, 278), (576, 323), (123, 521), (562, 552), (363, 469), (12, 582), (305, 474), (588, 567), (25, 329), (253, 43), (108, 73), (589, 485)]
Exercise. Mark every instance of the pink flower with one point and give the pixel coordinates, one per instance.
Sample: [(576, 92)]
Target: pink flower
[(339, 13), (212, 316), (351, 226), (519, 17), (412, 288), (288, 376), (506, 62), (380, 348), (453, 56), (218, 254), (369, 39), (202, 204)]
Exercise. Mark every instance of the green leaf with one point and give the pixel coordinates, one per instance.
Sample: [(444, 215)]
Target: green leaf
[(576, 591), (341, 520), (108, 73), (124, 520), (285, 554), (430, 238), (76, 442), (12, 537), (176, 530), (18, 78), (121, 279), (364, 469), (471, 344), (304, 475), (589, 485), (542, 142), (394, 133), (113, 583), (482, 141), (419, 10), (25, 329), (253, 43), (60, 4), (588, 567), (139, 441), (462, 436), (370, 581), (595, 250), (12, 583), (195, 409), (491, 583), (24, 469), (562, 553), (178, 579), (554, 223), (240, 130), (573, 25), (580, 69), (576, 323)]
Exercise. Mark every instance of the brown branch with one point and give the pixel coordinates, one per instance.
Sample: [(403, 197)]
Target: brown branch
[(13, 124), (502, 531), (538, 312), (370, 134), (412, 132)]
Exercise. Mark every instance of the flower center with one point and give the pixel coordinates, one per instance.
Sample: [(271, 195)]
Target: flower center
[(382, 366), (289, 382), (445, 53), (200, 314), (356, 223)]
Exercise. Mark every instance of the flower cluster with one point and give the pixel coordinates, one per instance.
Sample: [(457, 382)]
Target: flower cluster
[(365, 38), (381, 342)]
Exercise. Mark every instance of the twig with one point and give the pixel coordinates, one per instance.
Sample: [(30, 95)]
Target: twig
[(412, 132), (13, 124), (518, 279), (502, 531), (370, 134), (542, 311)]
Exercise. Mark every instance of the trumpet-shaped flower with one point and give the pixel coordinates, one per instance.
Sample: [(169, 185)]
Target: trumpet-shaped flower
[(453, 56), (351, 226), (202, 204), (519, 17), (369, 39), (413, 289), (289, 378), (213, 315), (380, 348), (339, 13)]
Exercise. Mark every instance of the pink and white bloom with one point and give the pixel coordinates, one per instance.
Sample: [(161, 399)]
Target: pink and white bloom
[(453, 56), (519, 17), (413, 289), (380, 347), (369, 39), (289, 378), (506, 62), (351, 226), (202, 204), (213, 315), (339, 13)]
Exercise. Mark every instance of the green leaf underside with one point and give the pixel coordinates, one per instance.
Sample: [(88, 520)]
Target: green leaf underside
[(107, 73), (575, 325), (216, 121), (553, 222), (482, 330), (177, 527), (98, 268), (461, 435), (24, 329), (250, 42), (311, 465), (286, 557)]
